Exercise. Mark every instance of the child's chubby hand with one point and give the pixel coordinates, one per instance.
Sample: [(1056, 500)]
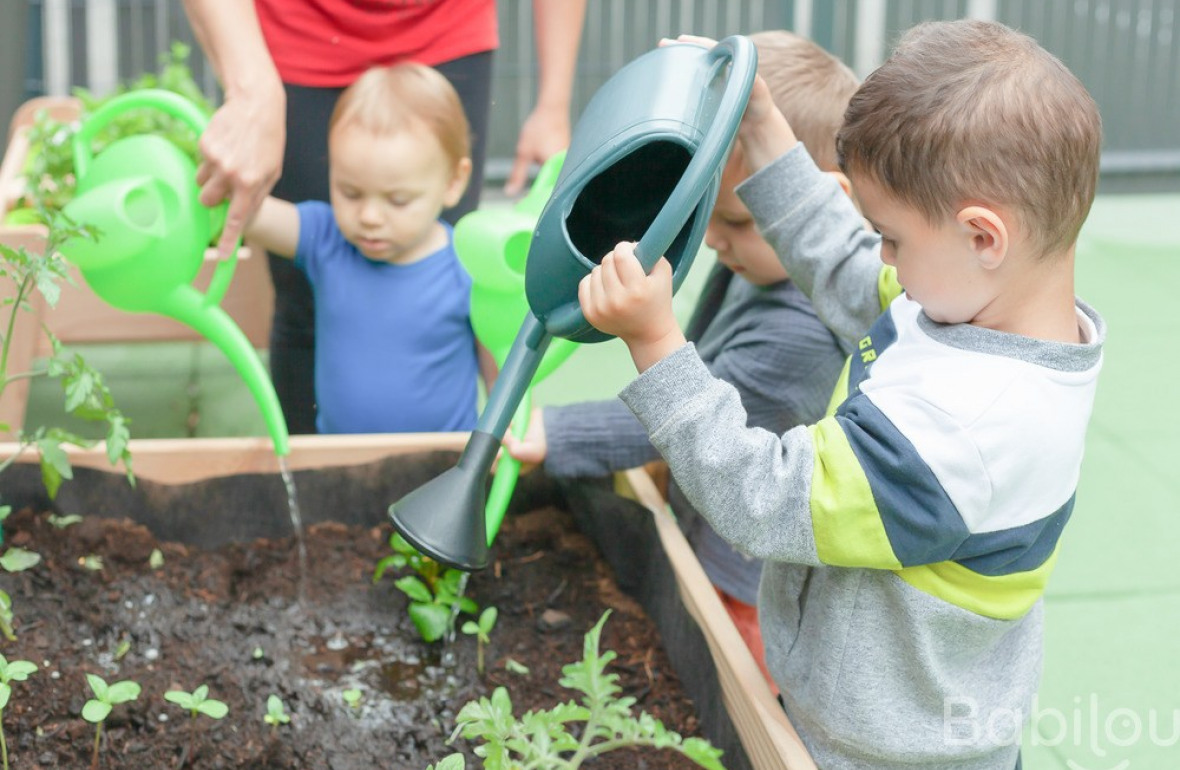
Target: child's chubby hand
[(532, 448), (764, 132), (618, 298)]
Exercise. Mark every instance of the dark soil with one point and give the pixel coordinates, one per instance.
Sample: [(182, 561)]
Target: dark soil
[(200, 618)]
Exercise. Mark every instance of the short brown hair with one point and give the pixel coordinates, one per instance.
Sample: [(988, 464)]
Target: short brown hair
[(385, 100), (972, 111), (810, 86)]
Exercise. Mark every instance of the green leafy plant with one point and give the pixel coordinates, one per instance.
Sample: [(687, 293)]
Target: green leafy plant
[(545, 738), (106, 696), (352, 697), (276, 713), (49, 165), (86, 395), (435, 591), (481, 629), (197, 702), (10, 671)]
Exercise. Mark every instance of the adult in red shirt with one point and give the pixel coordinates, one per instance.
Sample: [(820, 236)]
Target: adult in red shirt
[(282, 63)]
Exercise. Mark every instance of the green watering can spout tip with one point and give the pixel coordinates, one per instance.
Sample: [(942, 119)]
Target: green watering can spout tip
[(131, 216)]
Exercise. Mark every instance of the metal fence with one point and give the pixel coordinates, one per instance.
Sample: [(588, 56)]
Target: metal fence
[(1127, 52)]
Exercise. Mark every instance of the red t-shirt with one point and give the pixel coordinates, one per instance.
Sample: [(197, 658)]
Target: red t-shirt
[(329, 43)]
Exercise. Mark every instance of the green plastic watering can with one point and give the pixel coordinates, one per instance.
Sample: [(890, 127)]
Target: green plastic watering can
[(644, 164), (141, 194), (493, 246)]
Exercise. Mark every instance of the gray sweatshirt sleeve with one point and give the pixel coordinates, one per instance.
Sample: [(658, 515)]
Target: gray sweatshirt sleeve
[(594, 439), (752, 485), (821, 239)]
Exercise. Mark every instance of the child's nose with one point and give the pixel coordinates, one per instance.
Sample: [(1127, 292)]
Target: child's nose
[(370, 212), (715, 239)]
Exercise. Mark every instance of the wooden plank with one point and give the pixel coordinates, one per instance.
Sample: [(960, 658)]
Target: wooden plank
[(184, 460), (767, 735)]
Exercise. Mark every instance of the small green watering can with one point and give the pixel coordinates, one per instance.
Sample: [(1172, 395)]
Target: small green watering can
[(493, 245), (644, 164), (141, 194)]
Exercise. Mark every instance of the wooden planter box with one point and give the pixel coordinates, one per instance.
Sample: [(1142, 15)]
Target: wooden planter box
[(80, 316), (629, 520)]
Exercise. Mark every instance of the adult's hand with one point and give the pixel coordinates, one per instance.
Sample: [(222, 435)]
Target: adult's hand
[(242, 158), (543, 134), (242, 146)]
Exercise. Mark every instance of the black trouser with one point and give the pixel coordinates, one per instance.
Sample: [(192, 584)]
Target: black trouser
[(305, 177)]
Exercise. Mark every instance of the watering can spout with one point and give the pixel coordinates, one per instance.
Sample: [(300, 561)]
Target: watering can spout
[(129, 216), (189, 306)]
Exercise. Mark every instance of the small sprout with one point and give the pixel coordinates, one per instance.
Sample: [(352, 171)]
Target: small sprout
[(18, 559), (258, 653), (91, 562), (352, 697), (516, 668), (98, 708), (123, 648), (276, 712), (156, 560), (452, 762), (10, 671), (7, 619), (197, 702), (61, 522), (481, 630)]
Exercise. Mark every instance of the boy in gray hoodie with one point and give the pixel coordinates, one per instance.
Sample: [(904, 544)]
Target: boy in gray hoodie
[(908, 535)]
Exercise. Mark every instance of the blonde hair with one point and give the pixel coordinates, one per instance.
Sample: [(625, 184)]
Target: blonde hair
[(386, 100), (972, 111), (810, 86)]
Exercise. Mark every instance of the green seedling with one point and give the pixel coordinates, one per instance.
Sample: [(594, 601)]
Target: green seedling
[(10, 671), (156, 560), (543, 738), (98, 708), (19, 559), (452, 762), (7, 619), (61, 522), (92, 562), (352, 697), (276, 713), (481, 630), (515, 667), (197, 702), (13, 560), (434, 590)]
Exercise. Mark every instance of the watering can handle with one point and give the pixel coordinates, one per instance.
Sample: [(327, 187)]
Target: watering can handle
[(180, 108), (156, 98), (686, 196)]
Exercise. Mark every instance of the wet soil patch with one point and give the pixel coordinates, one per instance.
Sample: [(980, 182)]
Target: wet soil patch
[(234, 614)]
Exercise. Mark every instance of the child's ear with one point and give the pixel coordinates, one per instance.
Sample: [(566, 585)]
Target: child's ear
[(458, 184), (988, 234), (844, 182)]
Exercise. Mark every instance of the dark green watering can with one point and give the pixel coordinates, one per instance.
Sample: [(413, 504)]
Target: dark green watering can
[(141, 194), (644, 164)]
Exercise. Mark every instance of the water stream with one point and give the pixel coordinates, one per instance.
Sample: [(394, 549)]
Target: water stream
[(297, 525), (448, 659)]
